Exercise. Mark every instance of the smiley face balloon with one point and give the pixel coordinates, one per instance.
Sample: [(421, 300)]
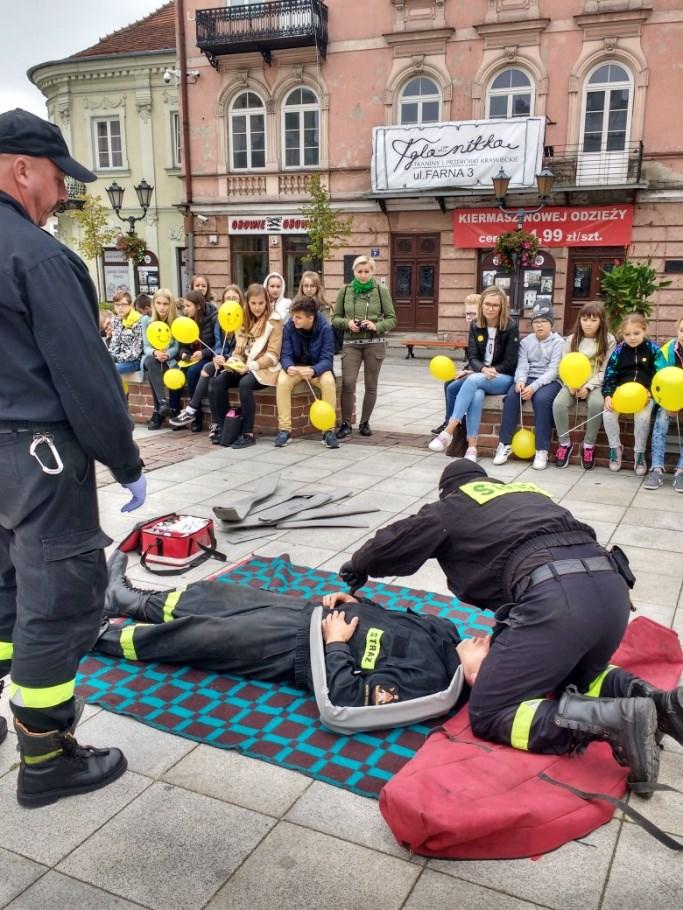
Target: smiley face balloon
[(159, 335)]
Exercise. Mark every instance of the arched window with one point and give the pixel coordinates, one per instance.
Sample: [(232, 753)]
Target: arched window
[(606, 109), (510, 94), (420, 101), (301, 128), (248, 132)]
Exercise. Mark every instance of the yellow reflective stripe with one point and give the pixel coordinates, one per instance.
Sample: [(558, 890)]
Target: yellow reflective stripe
[(171, 602), (372, 648), (595, 687), (126, 642), (48, 697), (482, 492), (521, 725), (6, 650), (39, 759)]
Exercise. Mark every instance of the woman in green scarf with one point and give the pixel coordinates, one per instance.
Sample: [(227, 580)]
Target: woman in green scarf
[(365, 312)]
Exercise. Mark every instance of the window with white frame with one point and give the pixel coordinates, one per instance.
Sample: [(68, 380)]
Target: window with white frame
[(606, 109), (420, 101), (510, 94), (108, 143), (248, 132), (176, 140), (301, 128)]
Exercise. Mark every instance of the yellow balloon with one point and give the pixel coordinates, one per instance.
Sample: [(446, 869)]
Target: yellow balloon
[(185, 330), (322, 416), (575, 370), (230, 316), (524, 444), (667, 388), (174, 379), (629, 398), (159, 335), (442, 367)]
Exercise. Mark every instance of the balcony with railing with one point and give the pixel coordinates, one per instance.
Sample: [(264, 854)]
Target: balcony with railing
[(262, 27), (575, 168)]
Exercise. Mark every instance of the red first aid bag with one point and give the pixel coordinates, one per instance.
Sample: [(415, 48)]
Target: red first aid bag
[(180, 542)]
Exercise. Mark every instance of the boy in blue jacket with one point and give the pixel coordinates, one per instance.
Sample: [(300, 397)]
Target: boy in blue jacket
[(307, 355)]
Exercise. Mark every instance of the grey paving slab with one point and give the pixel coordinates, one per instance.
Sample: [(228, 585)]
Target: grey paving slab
[(299, 554), (643, 559), (645, 499), (296, 868), (663, 615), (59, 892), (654, 517), (9, 756), (429, 577), (659, 539), (50, 834), (654, 588), (348, 816), (170, 849), (148, 751), (16, 874), (643, 874), (568, 879), (589, 512), (435, 891), (335, 563), (665, 809), (234, 778)]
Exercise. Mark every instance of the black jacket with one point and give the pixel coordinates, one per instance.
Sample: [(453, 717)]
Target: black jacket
[(209, 333), (505, 348), (54, 366)]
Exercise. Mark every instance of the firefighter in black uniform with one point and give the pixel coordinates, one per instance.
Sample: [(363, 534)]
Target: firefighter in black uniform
[(562, 605), (61, 408)]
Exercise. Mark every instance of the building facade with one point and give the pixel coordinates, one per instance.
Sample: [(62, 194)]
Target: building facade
[(117, 106), (289, 88)]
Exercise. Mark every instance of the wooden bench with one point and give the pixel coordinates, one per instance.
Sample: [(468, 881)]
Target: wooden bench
[(451, 344)]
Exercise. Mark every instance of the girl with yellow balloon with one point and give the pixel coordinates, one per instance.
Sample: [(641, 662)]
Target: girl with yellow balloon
[(626, 390), (667, 391), (160, 351)]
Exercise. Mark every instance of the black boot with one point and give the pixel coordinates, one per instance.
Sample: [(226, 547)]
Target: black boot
[(3, 722), (627, 724), (344, 430), (196, 425), (121, 598), (54, 765), (155, 421), (669, 706), (164, 408), (364, 428)]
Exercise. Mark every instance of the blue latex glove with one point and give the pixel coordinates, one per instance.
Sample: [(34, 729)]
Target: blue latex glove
[(139, 490)]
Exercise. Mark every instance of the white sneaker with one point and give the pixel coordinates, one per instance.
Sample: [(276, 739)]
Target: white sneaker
[(540, 460), (471, 454), (502, 453), (441, 442)]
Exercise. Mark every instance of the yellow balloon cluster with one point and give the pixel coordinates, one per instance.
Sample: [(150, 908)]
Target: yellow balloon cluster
[(185, 330), (629, 398), (524, 444), (442, 368), (322, 416), (174, 379), (575, 370), (230, 316), (159, 335), (667, 388)]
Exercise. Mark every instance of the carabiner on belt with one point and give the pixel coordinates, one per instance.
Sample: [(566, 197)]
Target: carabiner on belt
[(40, 439)]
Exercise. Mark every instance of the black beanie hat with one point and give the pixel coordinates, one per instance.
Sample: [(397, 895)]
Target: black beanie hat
[(458, 473)]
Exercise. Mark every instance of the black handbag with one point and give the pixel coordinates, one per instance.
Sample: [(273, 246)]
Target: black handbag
[(232, 426)]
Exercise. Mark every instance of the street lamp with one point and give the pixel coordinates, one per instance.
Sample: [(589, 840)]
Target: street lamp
[(144, 193), (501, 182)]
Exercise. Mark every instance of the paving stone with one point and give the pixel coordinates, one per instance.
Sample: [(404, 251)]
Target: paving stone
[(435, 891), (665, 809), (643, 874), (592, 511), (59, 892), (642, 559), (654, 588), (653, 518), (9, 756), (661, 539), (238, 779), (299, 553), (49, 834), (16, 874), (170, 849), (294, 868)]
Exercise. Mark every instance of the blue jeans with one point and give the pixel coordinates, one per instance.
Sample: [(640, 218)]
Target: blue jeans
[(130, 366), (659, 432), (451, 390), (542, 403), (470, 398)]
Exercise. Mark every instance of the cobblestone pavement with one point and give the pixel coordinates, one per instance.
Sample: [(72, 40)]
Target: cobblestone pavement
[(190, 826)]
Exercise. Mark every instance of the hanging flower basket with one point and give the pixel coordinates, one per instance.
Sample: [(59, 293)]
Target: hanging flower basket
[(520, 244), (132, 246)]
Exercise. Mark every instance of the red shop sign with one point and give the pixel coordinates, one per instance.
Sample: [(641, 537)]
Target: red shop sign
[(556, 225)]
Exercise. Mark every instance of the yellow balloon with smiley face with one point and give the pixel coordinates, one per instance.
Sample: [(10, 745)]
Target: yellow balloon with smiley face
[(159, 335)]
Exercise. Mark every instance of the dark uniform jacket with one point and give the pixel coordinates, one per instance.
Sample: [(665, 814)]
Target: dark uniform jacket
[(54, 366), (486, 536)]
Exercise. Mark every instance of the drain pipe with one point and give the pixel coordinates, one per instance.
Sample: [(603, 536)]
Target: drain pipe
[(185, 126)]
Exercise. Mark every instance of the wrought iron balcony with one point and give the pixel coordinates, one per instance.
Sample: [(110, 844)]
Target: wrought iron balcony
[(76, 193), (262, 27), (575, 168)]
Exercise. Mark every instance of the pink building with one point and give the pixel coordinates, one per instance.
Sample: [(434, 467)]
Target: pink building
[(288, 88)]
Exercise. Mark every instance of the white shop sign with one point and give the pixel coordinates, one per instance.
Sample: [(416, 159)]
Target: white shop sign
[(268, 224), (465, 154)]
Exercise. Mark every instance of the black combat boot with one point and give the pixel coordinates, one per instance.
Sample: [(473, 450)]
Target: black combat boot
[(121, 598), (155, 422), (53, 765), (669, 706), (3, 722), (627, 724)]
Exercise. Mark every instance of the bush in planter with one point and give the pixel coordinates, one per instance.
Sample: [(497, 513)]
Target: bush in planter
[(627, 288)]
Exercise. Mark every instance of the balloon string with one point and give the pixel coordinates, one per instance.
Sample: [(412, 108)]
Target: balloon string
[(521, 411), (578, 425), (311, 388), (207, 347)]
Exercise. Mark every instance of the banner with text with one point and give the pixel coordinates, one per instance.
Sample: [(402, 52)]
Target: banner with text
[(268, 224), (570, 225), (469, 153)]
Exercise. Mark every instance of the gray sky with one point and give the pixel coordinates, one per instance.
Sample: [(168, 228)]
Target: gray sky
[(35, 31)]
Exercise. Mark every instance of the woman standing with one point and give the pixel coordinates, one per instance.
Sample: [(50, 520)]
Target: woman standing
[(365, 312)]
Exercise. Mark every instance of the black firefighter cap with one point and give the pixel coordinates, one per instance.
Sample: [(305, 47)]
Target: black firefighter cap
[(459, 472), (22, 133)]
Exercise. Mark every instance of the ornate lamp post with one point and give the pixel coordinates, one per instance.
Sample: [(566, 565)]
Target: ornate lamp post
[(144, 192)]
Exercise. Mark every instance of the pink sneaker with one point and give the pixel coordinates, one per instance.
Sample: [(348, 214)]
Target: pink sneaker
[(587, 457)]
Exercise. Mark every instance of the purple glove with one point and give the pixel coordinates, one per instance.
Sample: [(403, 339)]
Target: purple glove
[(139, 490)]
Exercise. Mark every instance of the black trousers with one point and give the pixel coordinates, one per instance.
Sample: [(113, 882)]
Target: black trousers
[(219, 396), (563, 631), (224, 628), (52, 572), (155, 370)]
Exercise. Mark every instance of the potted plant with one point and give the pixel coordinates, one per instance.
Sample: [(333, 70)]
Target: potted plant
[(627, 287), (132, 246), (516, 248)]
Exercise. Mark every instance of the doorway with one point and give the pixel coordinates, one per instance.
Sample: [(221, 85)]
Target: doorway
[(249, 255), (295, 249), (415, 281), (584, 278)]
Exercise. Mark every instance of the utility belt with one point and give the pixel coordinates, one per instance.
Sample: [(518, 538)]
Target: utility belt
[(31, 426), (587, 565)]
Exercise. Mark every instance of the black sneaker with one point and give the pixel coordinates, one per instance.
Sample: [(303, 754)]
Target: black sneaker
[(439, 429), (184, 419), (344, 430), (244, 441), (364, 428), (330, 441), (155, 421), (196, 425), (563, 454), (215, 432), (164, 408)]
